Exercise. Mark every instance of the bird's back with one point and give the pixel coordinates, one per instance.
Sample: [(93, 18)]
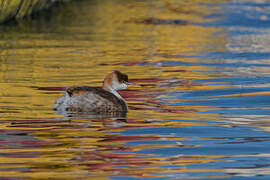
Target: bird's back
[(90, 99)]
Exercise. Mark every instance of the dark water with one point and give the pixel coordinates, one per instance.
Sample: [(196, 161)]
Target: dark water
[(201, 111)]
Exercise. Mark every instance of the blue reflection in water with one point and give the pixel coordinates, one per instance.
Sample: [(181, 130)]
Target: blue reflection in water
[(242, 19), (242, 14), (236, 138)]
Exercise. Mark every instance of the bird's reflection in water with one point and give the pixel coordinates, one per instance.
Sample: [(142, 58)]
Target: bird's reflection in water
[(109, 119)]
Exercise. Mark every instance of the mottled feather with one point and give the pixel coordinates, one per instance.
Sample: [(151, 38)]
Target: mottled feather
[(95, 99), (92, 99)]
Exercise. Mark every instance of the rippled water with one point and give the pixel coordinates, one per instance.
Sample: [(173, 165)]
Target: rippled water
[(202, 110)]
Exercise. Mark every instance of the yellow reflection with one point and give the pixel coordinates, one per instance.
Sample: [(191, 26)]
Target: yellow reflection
[(38, 60)]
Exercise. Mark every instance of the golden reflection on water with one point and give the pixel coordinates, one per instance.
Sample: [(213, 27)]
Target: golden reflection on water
[(80, 49), (85, 148)]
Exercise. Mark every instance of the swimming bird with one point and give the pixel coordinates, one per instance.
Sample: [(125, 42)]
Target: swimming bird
[(103, 99)]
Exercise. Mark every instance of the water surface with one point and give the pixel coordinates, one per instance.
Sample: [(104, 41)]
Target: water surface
[(201, 111)]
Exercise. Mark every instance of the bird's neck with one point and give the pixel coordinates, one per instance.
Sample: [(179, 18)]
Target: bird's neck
[(113, 91)]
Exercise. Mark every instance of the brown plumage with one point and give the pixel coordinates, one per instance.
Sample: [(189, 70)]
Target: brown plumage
[(96, 99), (97, 95)]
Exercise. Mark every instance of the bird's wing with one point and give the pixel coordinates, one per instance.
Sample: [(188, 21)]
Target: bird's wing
[(94, 99)]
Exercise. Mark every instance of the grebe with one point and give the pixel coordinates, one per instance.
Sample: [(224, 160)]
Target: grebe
[(96, 99)]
